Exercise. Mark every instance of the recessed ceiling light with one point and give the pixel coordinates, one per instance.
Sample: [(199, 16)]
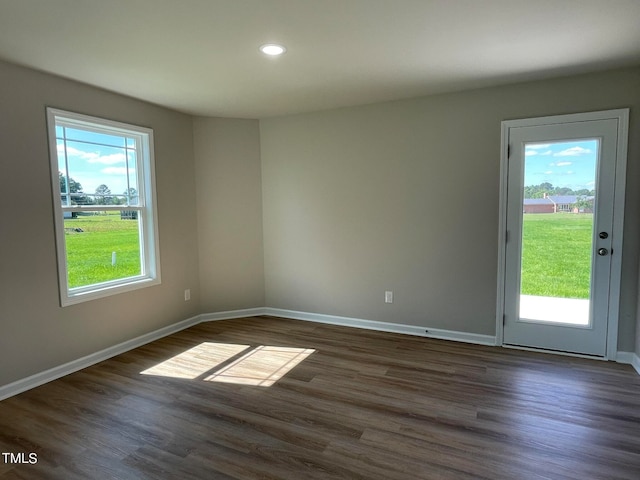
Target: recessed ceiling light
[(272, 49)]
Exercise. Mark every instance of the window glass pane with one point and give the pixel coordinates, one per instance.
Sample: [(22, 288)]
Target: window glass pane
[(134, 188), (93, 137), (101, 247), (557, 231), (100, 172), (61, 156), (64, 192)]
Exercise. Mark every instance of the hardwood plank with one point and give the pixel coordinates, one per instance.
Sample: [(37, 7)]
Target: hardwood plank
[(363, 405)]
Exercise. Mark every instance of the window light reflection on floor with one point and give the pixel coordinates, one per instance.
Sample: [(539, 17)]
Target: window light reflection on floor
[(261, 366), (196, 361)]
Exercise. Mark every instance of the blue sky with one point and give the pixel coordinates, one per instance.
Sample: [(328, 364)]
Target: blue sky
[(566, 164)]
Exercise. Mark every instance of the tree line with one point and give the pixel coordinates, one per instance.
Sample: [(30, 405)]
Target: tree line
[(538, 191), (102, 195)]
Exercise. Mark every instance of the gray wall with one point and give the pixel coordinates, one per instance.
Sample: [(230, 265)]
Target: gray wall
[(319, 212), (35, 332), (403, 196), (229, 206)]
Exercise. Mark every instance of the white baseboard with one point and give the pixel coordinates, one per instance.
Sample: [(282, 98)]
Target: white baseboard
[(231, 314), (629, 358), (54, 373), (383, 326), (41, 378)]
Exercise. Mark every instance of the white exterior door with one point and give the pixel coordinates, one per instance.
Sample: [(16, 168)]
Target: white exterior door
[(563, 208)]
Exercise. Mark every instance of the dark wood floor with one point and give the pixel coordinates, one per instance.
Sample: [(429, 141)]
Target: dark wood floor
[(363, 405)]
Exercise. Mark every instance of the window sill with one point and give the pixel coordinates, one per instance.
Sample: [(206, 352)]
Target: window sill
[(74, 298)]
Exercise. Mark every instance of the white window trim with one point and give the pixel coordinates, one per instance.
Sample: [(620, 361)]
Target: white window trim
[(149, 244)]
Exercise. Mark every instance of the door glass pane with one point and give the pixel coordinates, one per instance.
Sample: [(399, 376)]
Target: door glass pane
[(557, 231)]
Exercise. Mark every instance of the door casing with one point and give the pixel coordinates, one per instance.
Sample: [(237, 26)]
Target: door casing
[(622, 116)]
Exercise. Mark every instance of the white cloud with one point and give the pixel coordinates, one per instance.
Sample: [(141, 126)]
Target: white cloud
[(116, 170), (538, 146), (563, 164), (572, 152), (548, 172), (74, 152), (92, 157), (531, 150), (109, 159)]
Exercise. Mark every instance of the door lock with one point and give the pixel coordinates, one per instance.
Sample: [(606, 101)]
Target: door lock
[(603, 235)]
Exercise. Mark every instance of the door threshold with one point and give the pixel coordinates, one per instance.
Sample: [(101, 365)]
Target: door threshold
[(555, 352)]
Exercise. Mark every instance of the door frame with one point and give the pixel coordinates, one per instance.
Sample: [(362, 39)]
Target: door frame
[(622, 116)]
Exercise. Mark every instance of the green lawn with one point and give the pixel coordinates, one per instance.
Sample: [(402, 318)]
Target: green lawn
[(556, 254), (89, 252)]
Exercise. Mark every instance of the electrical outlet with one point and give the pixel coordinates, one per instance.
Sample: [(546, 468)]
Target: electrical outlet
[(187, 294), (388, 297)]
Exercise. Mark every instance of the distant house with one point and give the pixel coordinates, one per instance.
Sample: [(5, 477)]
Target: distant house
[(556, 204), (538, 205)]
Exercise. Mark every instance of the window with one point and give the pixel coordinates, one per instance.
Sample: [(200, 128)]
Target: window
[(102, 174)]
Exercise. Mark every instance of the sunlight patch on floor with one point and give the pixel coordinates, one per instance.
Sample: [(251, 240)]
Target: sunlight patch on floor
[(263, 366), (196, 361)]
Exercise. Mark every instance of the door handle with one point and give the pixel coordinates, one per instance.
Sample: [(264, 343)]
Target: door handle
[(603, 252)]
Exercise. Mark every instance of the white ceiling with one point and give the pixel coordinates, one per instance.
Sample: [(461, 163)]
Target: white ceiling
[(201, 56)]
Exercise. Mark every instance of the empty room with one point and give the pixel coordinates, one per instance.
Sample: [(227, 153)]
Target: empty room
[(319, 239)]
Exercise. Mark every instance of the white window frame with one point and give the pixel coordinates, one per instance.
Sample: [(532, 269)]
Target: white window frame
[(145, 206)]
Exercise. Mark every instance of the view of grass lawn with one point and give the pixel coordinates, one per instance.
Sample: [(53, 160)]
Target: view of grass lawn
[(89, 252), (556, 254)]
